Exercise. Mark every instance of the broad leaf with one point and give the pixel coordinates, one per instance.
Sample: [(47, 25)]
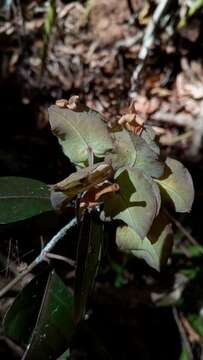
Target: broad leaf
[(88, 257), (176, 186), (55, 325), (133, 151), (123, 153), (148, 135), (147, 160), (154, 248), (79, 133), (22, 198), (137, 203)]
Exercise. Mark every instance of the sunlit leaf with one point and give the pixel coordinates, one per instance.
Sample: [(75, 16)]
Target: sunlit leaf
[(133, 151), (55, 324), (154, 248), (148, 135), (79, 133), (124, 153), (137, 203), (176, 186), (147, 160), (22, 198), (88, 256)]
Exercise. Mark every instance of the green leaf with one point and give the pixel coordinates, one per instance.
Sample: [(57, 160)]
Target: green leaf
[(55, 325), (149, 135), (80, 132), (196, 322), (184, 355), (195, 5), (133, 151), (147, 159), (176, 186), (156, 246), (136, 203), (21, 317), (22, 198), (65, 355), (124, 153), (88, 257)]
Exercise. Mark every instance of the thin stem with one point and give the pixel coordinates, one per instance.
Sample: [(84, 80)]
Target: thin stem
[(41, 257), (60, 257), (184, 231)]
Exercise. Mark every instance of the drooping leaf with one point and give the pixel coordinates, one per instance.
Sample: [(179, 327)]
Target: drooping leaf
[(147, 159), (88, 257), (22, 198), (154, 248), (80, 132), (176, 186), (137, 203), (55, 324), (21, 317), (83, 180)]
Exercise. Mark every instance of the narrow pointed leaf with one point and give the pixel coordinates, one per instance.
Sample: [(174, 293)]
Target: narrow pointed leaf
[(88, 257), (136, 203), (55, 325), (156, 246), (78, 132), (176, 186), (21, 317), (22, 198)]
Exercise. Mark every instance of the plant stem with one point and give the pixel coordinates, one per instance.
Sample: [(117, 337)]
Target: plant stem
[(41, 257)]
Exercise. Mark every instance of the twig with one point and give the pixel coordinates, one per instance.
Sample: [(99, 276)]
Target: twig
[(183, 335), (60, 257), (130, 7), (192, 334), (149, 39), (41, 257), (184, 231)]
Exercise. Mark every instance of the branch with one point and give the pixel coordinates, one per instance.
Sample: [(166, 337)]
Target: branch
[(41, 257), (149, 38)]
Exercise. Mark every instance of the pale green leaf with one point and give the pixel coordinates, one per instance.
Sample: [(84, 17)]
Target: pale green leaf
[(176, 186), (146, 158), (80, 133), (136, 203), (124, 152), (154, 248), (148, 135)]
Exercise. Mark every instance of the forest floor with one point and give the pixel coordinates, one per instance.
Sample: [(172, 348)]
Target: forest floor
[(104, 52)]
